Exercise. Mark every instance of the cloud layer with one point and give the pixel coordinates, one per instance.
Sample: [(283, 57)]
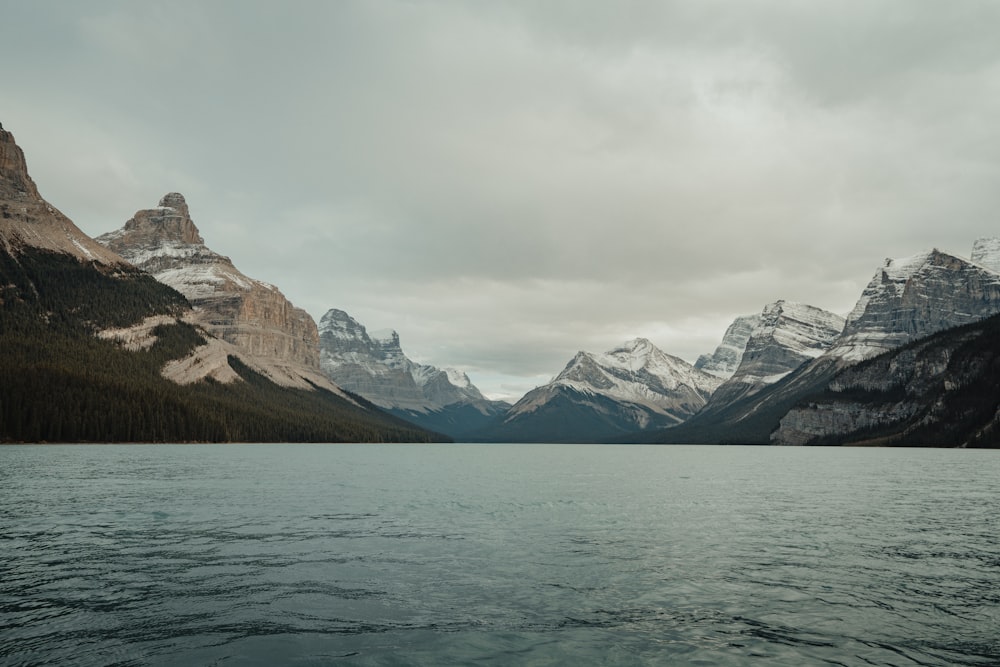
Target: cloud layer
[(505, 184)]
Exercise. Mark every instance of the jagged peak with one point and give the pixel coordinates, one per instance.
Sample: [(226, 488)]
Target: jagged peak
[(458, 378), (176, 201), (168, 223), (633, 346), (335, 316), (15, 183)]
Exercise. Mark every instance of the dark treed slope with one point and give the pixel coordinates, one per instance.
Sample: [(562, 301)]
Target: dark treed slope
[(940, 390), (906, 300), (60, 382)]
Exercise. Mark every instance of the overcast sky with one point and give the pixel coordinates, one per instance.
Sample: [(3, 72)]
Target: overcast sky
[(505, 183)]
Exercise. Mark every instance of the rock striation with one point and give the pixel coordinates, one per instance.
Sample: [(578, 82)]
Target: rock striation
[(597, 397), (986, 252), (250, 314), (906, 300), (784, 336), (726, 358), (374, 366), (943, 390), (917, 296)]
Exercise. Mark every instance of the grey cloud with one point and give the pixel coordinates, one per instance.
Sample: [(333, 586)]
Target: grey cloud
[(508, 183)]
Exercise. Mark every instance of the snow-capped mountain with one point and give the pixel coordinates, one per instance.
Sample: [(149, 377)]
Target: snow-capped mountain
[(941, 389), (907, 299), (94, 349), (726, 358), (633, 387), (784, 336), (916, 296), (374, 366), (250, 314)]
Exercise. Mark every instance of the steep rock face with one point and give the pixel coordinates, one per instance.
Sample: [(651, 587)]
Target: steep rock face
[(785, 336), (905, 300), (250, 314), (633, 387), (917, 296), (373, 365), (726, 358), (943, 390), (986, 252), (28, 220)]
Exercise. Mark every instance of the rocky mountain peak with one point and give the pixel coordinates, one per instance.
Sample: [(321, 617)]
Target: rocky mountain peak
[(338, 324), (174, 200), (27, 220), (726, 358), (374, 365), (168, 223), (15, 183), (915, 296), (250, 314), (786, 335)]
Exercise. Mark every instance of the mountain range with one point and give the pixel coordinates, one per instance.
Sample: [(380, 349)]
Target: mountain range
[(374, 366), (906, 300), (147, 334), (93, 348), (633, 387)]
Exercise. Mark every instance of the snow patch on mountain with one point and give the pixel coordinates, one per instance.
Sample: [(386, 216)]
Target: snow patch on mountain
[(916, 296), (986, 253), (374, 365), (636, 372), (726, 358)]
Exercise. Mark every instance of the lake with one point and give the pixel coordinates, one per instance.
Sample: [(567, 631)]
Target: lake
[(498, 554)]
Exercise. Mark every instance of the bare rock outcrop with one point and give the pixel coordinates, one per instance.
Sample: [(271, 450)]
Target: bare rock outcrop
[(252, 315), (28, 220)]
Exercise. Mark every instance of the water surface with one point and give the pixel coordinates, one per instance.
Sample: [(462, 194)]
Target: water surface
[(498, 554)]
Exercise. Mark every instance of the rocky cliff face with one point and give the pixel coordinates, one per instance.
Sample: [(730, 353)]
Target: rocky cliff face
[(373, 365), (917, 296), (633, 387), (942, 390), (784, 336), (28, 220), (905, 300), (252, 315), (726, 358), (986, 252)]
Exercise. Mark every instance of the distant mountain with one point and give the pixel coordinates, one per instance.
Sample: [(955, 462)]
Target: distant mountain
[(94, 349), (599, 396), (726, 358), (905, 300), (252, 315), (784, 336), (375, 367)]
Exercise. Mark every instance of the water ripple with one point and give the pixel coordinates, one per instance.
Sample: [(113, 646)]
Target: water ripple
[(452, 555)]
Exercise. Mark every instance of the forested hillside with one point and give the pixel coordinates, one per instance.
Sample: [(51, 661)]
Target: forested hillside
[(61, 383)]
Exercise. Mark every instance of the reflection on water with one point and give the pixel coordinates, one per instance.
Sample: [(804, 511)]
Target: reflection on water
[(449, 554)]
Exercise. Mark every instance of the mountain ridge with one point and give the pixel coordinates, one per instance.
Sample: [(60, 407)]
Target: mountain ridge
[(632, 386), (374, 365)]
